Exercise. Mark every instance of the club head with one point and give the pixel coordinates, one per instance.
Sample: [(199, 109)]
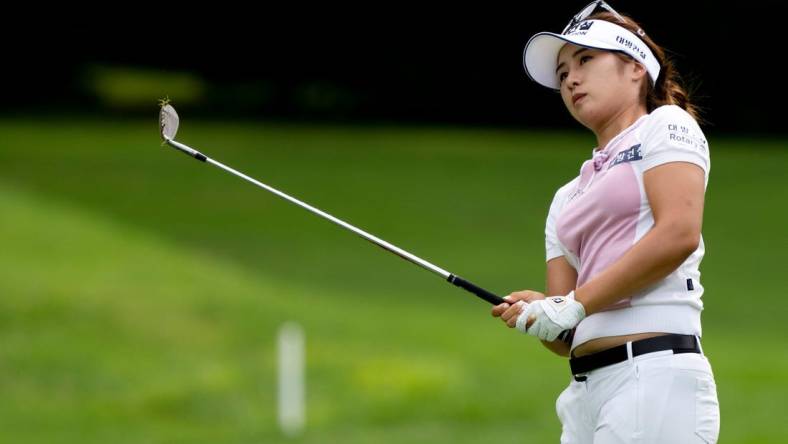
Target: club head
[(168, 121)]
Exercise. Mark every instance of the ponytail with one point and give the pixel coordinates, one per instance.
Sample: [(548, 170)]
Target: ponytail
[(669, 89)]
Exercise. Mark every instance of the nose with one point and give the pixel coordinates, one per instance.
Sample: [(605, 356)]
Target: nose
[(572, 80)]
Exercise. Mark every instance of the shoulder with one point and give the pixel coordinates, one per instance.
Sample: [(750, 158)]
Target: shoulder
[(670, 111), (672, 126), (671, 134), (670, 119)]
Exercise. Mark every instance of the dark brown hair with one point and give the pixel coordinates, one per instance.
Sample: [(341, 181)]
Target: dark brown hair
[(669, 88)]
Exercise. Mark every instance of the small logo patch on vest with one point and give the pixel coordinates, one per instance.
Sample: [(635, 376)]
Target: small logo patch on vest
[(627, 155), (690, 287)]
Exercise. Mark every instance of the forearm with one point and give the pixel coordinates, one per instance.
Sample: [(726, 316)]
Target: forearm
[(651, 259), (558, 347)]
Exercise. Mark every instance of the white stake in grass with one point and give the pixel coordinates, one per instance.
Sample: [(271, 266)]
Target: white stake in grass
[(291, 392)]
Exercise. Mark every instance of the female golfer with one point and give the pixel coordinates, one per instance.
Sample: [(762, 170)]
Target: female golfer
[(624, 242)]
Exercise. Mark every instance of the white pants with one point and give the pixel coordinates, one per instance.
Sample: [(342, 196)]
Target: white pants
[(653, 398)]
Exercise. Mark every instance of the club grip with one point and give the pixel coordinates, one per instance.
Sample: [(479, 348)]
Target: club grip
[(494, 299), (478, 291)]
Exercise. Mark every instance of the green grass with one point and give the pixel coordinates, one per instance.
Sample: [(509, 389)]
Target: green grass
[(140, 291)]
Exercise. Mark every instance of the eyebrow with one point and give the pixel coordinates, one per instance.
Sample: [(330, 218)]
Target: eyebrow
[(573, 55)]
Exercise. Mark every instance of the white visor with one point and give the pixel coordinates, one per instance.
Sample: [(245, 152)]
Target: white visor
[(540, 56)]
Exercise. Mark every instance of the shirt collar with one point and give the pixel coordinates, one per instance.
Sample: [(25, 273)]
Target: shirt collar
[(606, 151)]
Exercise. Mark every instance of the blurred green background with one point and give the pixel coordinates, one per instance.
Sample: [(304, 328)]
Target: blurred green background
[(141, 292)]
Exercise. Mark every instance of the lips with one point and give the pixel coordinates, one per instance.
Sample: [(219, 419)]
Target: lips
[(577, 97)]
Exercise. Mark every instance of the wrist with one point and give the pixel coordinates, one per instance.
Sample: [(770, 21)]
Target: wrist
[(579, 299)]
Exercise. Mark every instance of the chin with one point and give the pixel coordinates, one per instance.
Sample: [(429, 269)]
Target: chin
[(587, 115), (584, 117)]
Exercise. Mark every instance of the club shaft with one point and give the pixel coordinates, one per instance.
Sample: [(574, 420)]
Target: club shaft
[(372, 238), (454, 279)]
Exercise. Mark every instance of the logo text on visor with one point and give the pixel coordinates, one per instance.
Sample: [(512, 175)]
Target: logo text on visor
[(631, 46), (578, 27)]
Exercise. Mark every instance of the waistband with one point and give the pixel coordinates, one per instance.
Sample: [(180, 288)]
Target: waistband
[(677, 343)]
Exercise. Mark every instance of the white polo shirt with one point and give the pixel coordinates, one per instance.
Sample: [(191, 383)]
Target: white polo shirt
[(599, 215)]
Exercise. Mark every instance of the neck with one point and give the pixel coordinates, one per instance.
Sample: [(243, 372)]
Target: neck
[(618, 122)]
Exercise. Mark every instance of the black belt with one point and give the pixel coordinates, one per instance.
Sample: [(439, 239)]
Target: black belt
[(675, 342)]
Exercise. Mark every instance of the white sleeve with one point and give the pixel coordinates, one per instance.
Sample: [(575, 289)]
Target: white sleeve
[(672, 135), (552, 246)]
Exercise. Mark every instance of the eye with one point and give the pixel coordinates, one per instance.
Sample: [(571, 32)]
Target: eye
[(561, 77), (585, 59)]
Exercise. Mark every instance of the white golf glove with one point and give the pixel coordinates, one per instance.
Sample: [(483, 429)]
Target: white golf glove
[(551, 316)]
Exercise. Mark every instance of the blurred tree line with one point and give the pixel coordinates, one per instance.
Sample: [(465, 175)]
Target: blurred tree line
[(395, 63)]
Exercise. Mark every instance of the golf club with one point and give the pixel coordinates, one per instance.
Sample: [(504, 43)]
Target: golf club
[(168, 128)]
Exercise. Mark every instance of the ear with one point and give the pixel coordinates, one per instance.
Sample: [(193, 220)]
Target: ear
[(638, 71)]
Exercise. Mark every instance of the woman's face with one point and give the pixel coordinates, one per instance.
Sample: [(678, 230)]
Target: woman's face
[(596, 84)]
